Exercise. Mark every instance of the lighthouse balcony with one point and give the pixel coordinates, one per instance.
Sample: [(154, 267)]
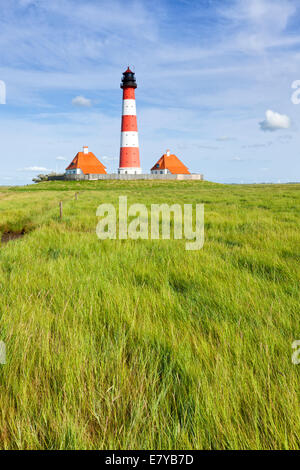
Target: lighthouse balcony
[(129, 84)]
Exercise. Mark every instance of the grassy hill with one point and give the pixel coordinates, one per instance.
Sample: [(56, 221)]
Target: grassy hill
[(141, 344)]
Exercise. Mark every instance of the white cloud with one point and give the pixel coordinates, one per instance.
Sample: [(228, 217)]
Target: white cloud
[(257, 146), (263, 22), (258, 12), (225, 139), (203, 146), (275, 121), (61, 158), (81, 101), (34, 168)]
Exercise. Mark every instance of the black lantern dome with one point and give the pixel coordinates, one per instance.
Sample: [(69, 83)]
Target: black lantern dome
[(128, 80)]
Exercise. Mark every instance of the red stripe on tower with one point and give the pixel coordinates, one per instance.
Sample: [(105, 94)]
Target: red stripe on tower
[(129, 152)]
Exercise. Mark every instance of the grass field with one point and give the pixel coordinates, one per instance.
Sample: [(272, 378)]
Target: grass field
[(141, 344)]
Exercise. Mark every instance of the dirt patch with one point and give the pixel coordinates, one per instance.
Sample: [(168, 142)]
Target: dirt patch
[(10, 236)]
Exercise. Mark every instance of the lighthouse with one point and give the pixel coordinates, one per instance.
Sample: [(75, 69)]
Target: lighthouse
[(129, 151)]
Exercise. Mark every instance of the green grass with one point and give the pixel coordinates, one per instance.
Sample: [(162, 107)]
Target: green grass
[(141, 344)]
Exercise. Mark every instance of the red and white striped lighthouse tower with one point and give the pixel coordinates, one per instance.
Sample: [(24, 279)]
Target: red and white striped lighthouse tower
[(129, 152)]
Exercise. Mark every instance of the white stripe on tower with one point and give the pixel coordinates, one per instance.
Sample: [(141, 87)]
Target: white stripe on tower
[(129, 108), (129, 139)]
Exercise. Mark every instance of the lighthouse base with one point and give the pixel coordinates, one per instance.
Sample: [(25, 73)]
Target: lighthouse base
[(130, 171)]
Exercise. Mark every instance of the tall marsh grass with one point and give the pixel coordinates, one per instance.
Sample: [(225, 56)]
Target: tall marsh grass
[(141, 344)]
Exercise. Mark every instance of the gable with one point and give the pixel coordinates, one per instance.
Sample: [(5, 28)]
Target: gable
[(88, 164), (171, 163)]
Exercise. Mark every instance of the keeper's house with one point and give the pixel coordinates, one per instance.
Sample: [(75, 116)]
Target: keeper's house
[(169, 164), (85, 163)]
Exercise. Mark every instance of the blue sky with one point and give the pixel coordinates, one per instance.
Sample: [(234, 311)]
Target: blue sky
[(208, 71)]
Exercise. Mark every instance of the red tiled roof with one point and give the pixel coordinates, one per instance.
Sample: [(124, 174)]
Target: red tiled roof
[(171, 163), (88, 163)]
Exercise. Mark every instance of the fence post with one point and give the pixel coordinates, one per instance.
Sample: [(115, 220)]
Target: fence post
[(61, 210), (76, 196)]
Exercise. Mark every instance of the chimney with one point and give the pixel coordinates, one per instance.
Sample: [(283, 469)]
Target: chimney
[(85, 149), (168, 153)]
